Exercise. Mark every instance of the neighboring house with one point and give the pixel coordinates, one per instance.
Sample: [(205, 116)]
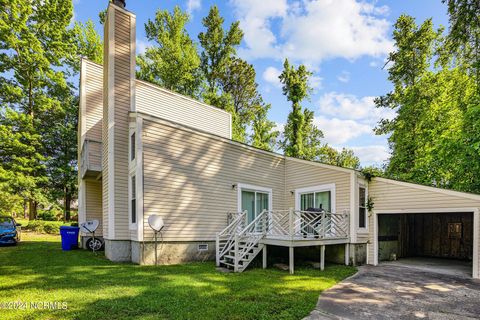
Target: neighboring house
[(147, 151)]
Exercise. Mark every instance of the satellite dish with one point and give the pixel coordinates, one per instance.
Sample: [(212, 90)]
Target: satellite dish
[(156, 223), (89, 226)]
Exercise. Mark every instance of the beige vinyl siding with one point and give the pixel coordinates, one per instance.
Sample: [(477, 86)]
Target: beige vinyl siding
[(159, 102), (302, 174), (391, 195), (167, 105), (93, 101), (93, 203), (122, 100), (105, 171), (189, 179)]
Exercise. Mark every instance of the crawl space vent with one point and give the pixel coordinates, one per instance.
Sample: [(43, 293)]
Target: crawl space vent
[(203, 247)]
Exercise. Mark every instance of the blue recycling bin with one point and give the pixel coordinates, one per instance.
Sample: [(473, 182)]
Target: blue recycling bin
[(69, 237)]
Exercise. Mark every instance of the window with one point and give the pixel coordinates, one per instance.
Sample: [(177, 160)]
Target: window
[(132, 147), (362, 207), (254, 200), (316, 200), (316, 197), (133, 201)]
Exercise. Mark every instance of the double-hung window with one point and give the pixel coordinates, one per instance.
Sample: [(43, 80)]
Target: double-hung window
[(362, 207), (132, 146), (133, 200)]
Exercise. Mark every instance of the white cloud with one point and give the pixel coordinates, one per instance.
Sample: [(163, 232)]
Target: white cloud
[(346, 106), (142, 46), (255, 20), (344, 77), (270, 75), (374, 154), (193, 5), (315, 82), (313, 30), (338, 131)]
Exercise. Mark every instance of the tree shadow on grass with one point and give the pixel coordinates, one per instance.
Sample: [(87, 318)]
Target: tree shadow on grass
[(96, 288)]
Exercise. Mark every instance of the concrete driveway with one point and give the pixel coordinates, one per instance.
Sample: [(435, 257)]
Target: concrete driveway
[(392, 291)]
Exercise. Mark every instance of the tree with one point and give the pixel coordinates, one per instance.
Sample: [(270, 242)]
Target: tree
[(264, 134), (410, 63), (301, 137), (34, 34), (174, 62), (345, 158), (463, 40), (22, 169), (219, 47)]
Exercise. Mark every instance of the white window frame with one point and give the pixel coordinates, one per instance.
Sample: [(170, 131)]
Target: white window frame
[(249, 187), (320, 188), (130, 154), (132, 225), (133, 171), (357, 208)]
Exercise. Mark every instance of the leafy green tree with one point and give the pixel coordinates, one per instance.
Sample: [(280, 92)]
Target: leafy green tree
[(463, 40), (35, 35), (22, 168), (345, 158), (415, 47), (219, 47), (301, 137), (86, 42), (173, 62), (264, 134)]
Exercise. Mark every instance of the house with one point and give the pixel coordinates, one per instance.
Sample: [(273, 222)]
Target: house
[(145, 151)]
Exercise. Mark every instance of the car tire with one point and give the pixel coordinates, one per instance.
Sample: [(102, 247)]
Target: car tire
[(96, 244)]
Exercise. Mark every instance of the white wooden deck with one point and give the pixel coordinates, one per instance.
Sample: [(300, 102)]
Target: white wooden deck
[(239, 243)]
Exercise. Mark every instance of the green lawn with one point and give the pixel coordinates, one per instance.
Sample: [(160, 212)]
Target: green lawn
[(94, 288)]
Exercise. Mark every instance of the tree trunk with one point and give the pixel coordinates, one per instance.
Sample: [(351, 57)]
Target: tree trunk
[(25, 212), (32, 209), (66, 205)]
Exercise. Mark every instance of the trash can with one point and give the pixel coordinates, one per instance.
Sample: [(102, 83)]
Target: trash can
[(69, 237)]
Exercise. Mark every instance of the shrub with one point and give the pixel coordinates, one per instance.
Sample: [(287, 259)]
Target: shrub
[(36, 226), (52, 228)]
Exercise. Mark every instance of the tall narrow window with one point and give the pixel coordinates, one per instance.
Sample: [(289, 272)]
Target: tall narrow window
[(133, 201), (132, 147), (362, 207)]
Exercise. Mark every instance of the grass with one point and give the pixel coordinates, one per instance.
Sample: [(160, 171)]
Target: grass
[(94, 288)]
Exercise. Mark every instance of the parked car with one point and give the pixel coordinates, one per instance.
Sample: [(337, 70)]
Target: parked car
[(8, 230)]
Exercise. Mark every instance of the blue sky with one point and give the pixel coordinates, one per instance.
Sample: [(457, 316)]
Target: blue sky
[(344, 42)]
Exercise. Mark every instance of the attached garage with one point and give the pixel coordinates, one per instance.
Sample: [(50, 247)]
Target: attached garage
[(410, 220)]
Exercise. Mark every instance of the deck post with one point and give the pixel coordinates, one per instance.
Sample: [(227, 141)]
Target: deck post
[(290, 223), (235, 261), (264, 262), (217, 249), (291, 259), (347, 254), (322, 257)]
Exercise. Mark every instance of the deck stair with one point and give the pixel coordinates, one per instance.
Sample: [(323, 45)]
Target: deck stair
[(239, 243)]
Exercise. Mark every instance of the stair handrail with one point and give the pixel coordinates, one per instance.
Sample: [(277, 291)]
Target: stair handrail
[(228, 235), (250, 237)]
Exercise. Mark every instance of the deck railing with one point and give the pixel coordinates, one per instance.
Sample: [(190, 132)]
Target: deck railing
[(225, 240), (297, 224)]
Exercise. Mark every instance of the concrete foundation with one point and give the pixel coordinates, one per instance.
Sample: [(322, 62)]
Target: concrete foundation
[(171, 252), (118, 250), (358, 254)]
